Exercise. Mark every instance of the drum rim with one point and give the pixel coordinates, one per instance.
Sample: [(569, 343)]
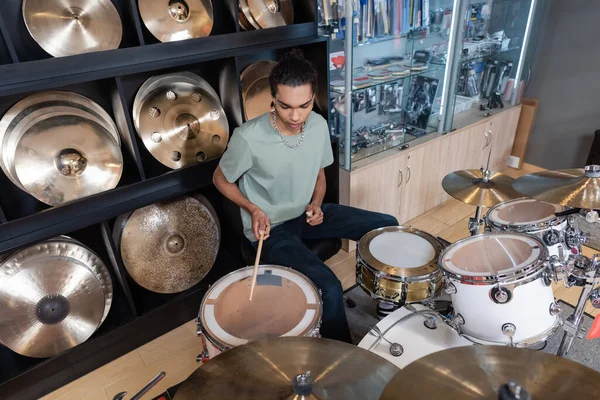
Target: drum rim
[(528, 272), (224, 346), (362, 251), (523, 228)]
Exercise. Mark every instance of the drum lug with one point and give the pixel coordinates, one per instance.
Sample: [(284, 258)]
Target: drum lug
[(509, 330), (500, 295), (430, 323), (554, 308), (458, 320), (203, 356), (450, 288), (396, 349)]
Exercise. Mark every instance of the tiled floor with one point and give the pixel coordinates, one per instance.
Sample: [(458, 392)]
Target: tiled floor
[(175, 352)]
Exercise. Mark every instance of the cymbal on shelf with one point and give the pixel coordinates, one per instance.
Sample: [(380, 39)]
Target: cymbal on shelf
[(244, 9), (69, 27), (272, 13), (175, 20), (470, 187)]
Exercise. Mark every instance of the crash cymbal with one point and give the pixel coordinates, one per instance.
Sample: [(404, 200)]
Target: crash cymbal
[(478, 372), (469, 187), (62, 157), (182, 124), (258, 98), (69, 27), (169, 246), (51, 298), (579, 188), (269, 367), (245, 10), (172, 20), (272, 13), (254, 71)]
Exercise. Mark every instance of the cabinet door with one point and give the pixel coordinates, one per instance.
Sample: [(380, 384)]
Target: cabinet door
[(503, 128), (421, 191)]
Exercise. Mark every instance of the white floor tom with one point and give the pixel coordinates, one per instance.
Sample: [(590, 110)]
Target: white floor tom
[(417, 334), (284, 303), (499, 283)]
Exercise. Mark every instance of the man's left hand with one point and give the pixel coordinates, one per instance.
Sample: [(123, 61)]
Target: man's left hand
[(314, 215)]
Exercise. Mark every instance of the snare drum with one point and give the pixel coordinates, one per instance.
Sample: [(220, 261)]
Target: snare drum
[(398, 265), (536, 218), (417, 334), (499, 283), (285, 303)]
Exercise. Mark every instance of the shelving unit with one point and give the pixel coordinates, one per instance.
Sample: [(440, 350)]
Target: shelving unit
[(112, 78)]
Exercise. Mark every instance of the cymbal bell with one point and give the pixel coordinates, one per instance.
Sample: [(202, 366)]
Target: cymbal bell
[(470, 187), (579, 188), (272, 13), (69, 27), (169, 246), (479, 372), (175, 20), (267, 369)]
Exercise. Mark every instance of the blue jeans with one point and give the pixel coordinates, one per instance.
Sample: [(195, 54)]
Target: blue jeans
[(285, 247)]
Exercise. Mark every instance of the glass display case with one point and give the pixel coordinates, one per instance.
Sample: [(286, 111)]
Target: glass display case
[(406, 69)]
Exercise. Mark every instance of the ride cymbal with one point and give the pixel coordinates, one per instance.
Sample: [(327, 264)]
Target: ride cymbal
[(169, 246), (272, 13), (470, 187), (181, 123), (578, 188), (69, 27), (51, 298), (479, 372), (271, 369), (173, 20)]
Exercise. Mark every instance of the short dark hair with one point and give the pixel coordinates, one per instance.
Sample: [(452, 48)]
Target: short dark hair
[(293, 70)]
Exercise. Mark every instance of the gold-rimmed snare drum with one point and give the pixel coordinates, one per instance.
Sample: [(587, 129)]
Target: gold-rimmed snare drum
[(399, 264)]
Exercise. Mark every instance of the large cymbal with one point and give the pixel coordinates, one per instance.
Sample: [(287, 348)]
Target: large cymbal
[(254, 71), (265, 369), (272, 13), (258, 98), (62, 157), (169, 246), (469, 187), (181, 123), (579, 188), (52, 298), (478, 372), (174, 20), (68, 27)]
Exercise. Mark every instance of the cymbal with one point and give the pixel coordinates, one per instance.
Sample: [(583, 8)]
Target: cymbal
[(244, 9), (258, 98), (169, 246), (265, 369), (174, 20), (469, 187), (272, 13), (579, 188), (254, 71), (182, 124), (478, 372), (69, 27), (51, 298), (62, 157)]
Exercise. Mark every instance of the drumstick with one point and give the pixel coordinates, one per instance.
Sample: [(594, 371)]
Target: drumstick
[(255, 273)]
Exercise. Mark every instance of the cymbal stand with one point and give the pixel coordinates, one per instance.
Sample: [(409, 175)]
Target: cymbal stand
[(585, 273), (476, 222)]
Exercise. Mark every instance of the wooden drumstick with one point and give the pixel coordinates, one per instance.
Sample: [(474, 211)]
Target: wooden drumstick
[(255, 273)]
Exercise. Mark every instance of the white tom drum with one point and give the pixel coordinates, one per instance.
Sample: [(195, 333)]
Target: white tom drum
[(416, 334), (399, 264), (537, 218), (499, 283), (284, 303)]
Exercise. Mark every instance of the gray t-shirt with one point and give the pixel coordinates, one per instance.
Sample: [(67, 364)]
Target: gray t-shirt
[(278, 179)]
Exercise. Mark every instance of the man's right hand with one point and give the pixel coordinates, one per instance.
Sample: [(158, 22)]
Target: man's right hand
[(260, 222)]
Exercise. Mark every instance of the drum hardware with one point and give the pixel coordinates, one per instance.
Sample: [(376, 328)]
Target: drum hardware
[(500, 295), (509, 330), (276, 368), (512, 391), (430, 323), (175, 20), (555, 308), (69, 27), (396, 349), (450, 288)]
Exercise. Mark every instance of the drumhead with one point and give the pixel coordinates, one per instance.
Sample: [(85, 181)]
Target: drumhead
[(492, 254), (523, 212), (401, 251), (284, 303)]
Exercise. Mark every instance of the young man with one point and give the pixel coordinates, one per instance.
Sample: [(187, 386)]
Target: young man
[(278, 159)]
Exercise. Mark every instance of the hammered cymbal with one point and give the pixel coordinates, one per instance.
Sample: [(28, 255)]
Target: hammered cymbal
[(182, 124), (265, 369), (469, 187), (175, 20), (170, 246), (50, 297), (69, 27), (579, 188), (478, 372), (258, 98), (272, 13), (63, 157)]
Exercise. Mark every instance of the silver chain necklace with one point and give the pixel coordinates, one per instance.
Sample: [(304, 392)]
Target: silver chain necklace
[(291, 146)]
